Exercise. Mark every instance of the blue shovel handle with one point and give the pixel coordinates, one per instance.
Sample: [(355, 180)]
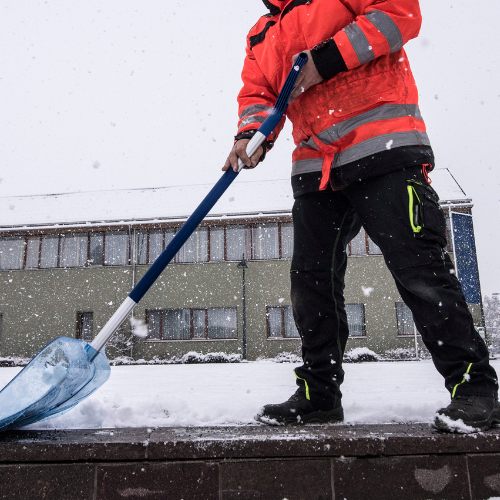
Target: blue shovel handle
[(217, 191)]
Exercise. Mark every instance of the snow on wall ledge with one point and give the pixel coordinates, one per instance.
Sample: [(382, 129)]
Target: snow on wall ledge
[(242, 197)]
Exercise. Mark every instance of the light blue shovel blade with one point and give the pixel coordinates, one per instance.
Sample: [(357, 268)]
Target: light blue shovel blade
[(101, 371), (58, 377)]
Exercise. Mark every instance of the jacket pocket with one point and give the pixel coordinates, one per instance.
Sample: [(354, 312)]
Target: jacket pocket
[(425, 217), (348, 98)]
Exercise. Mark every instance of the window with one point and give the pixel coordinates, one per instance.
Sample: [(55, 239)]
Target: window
[(280, 323), (85, 325), (73, 250), (154, 321), (404, 318), (358, 244), (237, 239), (265, 242), (96, 253), (199, 323), (222, 323), (49, 251), (141, 239), (217, 243), (356, 319), (186, 324), (11, 253), (33, 253), (274, 322), (373, 249), (116, 249), (196, 247), (286, 240), (169, 236), (156, 242), (176, 325)]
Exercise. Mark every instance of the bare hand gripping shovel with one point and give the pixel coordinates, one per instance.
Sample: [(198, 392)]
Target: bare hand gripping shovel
[(68, 370)]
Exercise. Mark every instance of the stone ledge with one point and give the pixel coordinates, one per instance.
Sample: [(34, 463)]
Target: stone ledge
[(252, 462), (205, 443)]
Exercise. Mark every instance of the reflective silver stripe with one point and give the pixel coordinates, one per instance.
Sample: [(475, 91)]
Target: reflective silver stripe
[(384, 112), (256, 108), (252, 119), (381, 143), (307, 166), (309, 144), (359, 43), (388, 28), (364, 149)]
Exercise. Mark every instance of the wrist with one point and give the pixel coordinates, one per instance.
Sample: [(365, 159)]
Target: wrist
[(328, 59)]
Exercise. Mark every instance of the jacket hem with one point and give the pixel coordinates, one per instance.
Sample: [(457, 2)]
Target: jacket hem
[(374, 165)]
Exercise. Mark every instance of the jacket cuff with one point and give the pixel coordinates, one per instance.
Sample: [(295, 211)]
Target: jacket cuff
[(248, 134), (328, 59)]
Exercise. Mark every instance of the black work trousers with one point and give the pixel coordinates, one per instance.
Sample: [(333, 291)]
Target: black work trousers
[(401, 214)]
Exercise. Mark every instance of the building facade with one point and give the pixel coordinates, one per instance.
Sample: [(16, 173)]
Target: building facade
[(227, 290)]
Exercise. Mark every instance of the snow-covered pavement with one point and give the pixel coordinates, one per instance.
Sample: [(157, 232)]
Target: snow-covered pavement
[(231, 394)]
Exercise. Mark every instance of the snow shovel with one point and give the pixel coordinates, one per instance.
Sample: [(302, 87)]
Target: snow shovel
[(68, 370)]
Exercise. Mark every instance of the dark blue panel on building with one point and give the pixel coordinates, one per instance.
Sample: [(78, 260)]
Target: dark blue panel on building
[(466, 257)]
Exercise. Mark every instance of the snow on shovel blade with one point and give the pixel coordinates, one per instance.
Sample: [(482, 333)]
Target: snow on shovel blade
[(101, 371), (57, 378)]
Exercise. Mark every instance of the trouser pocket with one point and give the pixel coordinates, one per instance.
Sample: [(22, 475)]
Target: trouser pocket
[(425, 217)]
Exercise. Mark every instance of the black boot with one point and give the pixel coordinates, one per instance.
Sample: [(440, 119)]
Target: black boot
[(299, 410), (468, 414)]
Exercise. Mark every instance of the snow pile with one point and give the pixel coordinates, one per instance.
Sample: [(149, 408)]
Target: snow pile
[(399, 353), (13, 361), (284, 357), (211, 357), (191, 357), (457, 426), (359, 354)]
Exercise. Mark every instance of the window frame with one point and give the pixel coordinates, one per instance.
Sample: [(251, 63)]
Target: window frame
[(262, 226), (398, 330), (363, 326), (224, 243), (99, 238), (23, 242), (191, 311), (282, 309), (365, 246)]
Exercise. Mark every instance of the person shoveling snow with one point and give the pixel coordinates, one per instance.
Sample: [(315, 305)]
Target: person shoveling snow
[(362, 159)]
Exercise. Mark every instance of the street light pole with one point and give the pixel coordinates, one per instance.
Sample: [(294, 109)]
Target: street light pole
[(415, 338), (243, 266)]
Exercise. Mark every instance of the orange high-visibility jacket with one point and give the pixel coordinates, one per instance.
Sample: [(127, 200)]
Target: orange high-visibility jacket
[(368, 101)]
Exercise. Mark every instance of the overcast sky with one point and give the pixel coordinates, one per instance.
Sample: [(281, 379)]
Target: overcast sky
[(123, 94)]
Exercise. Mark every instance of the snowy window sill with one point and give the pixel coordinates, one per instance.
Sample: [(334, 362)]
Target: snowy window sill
[(274, 339), (153, 341)]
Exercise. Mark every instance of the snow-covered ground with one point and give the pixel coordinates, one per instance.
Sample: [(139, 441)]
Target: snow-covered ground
[(231, 394)]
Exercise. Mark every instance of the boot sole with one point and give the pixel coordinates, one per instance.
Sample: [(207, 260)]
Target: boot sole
[(446, 424), (317, 417)]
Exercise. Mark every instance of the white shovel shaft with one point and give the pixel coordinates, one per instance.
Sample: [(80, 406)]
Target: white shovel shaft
[(113, 324), (128, 304)]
